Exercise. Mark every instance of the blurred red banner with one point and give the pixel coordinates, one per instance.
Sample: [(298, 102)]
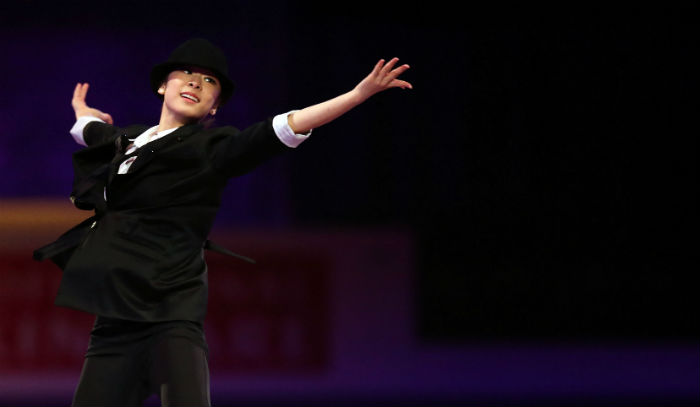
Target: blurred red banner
[(269, 316)]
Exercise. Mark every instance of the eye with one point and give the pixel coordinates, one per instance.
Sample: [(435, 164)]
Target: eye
[(210, 80), (187, 71)]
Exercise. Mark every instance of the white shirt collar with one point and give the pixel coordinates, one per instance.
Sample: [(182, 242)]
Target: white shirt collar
[(151, 135)]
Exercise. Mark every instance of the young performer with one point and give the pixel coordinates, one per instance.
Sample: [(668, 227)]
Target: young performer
[(137, 264)]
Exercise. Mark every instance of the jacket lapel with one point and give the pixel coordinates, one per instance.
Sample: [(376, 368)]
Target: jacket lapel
[(91, 167), (146, 153)]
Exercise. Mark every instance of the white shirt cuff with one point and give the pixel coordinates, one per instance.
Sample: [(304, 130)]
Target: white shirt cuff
[(77, 130), (285, 133)]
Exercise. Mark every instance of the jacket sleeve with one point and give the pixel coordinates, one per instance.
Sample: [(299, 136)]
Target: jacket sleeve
[(97, 132), (237, 152)]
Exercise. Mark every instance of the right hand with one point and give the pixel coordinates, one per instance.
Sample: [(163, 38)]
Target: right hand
[(82, 109)]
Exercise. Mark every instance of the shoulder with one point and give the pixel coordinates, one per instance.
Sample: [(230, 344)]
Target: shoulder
[(136, 129), (98, 131)]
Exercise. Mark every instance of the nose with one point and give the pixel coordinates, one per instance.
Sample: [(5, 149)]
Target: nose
[(194, 82)]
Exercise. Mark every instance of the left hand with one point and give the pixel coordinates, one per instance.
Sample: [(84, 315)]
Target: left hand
[(383, 77)]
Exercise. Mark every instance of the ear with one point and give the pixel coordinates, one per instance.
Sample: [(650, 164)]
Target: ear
[(212, 111), (161, 90)]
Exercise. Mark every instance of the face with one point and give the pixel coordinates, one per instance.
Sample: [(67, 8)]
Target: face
[(190, 93)]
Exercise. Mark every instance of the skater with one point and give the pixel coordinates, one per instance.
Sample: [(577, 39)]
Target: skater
[(137, 264)]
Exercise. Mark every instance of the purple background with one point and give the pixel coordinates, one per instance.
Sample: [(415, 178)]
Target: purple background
[(544, 161)]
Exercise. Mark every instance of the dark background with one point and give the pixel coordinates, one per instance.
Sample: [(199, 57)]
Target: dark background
[(544, 161)]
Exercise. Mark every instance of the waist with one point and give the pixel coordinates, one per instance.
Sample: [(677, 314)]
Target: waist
[(112, 335)]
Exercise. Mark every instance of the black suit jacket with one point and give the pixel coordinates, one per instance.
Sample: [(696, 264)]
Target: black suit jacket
[(140, 257)]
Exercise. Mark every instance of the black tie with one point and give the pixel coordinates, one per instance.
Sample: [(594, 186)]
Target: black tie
[(123, 143)]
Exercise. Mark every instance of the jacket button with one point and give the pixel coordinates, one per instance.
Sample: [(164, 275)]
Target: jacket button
[(179, 138)]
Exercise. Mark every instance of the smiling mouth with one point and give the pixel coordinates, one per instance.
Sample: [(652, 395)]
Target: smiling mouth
[(190, 96)]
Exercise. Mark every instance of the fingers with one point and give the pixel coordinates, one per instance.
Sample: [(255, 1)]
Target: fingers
[(76, 93), (82, 109), (387, 75), (79, 94), (80, 91), (84, 90), (396, 83), (398, 71), (383, 76), (377, 67), (385, 70)]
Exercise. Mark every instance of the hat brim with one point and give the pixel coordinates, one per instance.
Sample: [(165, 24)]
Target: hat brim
[(160, 73)]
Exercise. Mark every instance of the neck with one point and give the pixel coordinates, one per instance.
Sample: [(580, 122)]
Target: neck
[(169, 120)]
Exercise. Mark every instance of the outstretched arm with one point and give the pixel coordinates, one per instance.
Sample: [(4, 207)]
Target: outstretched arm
[(381, 78), (82, 109)]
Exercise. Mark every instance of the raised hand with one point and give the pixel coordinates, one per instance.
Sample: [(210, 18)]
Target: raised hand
[(82, 109), (383, 77)]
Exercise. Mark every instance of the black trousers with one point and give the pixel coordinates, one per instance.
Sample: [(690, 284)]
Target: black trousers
[(128, 361)]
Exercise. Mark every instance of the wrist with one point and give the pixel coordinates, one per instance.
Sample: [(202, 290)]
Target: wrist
[(357, 96)]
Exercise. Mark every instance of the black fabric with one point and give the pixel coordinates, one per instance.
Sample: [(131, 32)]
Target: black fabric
[(128, 361), (143, 258), (92, 165), (110, 335), (60, 251)]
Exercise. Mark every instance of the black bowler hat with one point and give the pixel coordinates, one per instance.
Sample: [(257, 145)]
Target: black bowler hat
[(195, 52)]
